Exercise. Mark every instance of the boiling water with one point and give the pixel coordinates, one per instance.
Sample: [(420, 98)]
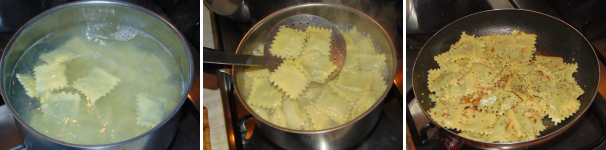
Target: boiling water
[(346, 28), (141, 62)]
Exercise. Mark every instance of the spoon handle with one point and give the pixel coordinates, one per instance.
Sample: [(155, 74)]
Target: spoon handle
[(217, 57)]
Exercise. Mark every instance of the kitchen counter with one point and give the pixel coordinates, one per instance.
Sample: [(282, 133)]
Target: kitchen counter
[(211, 93)]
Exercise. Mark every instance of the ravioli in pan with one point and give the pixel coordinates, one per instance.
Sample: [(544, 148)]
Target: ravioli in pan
[(494, 88), (284, 98)]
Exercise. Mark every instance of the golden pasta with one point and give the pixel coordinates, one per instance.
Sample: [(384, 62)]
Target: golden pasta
[(492, 89)]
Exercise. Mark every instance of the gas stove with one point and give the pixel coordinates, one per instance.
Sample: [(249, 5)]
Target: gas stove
[(587, 16), (183, 14)]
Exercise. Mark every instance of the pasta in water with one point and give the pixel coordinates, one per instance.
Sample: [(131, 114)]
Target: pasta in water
[(49, 77), (289, 103), (96, 84), (58, 56), (29, 84), (289, 79), (149, 110), (493, 90), (95, 91)]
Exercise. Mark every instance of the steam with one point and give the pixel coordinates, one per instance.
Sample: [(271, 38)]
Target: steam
[(381, 11)]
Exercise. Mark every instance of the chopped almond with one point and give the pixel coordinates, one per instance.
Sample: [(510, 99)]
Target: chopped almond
[(528, 113)]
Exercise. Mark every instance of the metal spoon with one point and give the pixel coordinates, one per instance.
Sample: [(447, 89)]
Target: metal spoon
[(300, 22)]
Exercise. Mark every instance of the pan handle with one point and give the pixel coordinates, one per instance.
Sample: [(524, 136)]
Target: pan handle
[(217, 57), (424, 131), (429, 144), (602, 120), (20, 147), (242, 126)]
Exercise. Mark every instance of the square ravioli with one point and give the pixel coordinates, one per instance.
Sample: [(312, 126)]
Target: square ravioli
[(289, 79), (369, 62), (49, 78), (150, 110), (319, 39), (61, 108), (58, 56), (334, 106), (315, 66), (96, 84), (295, 117), (360, 82), (29, 84), (265, 95), (288, 43)]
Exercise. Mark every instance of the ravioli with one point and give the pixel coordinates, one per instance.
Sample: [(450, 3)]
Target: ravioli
[(351, 62), (289, 79), (319, 39), (369, 62), (346, 94), (96, 84), (297, 118), (333, 106), (477, 121), (278, 117), (265, 95), (492, 89), (359, 82), (150, 110), (29, 84), (286, 98), (49, 78), (364, 102), (61, 108), (315, 65), (58, 56), (288, 43), (261, 72), (318, 118)]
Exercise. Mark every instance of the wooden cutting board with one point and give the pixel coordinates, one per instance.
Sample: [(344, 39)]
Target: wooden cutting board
[(206, 131)]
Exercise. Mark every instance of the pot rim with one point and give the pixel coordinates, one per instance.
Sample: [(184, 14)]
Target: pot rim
[(117, 3), (378, 102)]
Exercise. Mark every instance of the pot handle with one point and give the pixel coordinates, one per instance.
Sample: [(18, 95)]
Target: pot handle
[(429, 144), (242, 126), (20, 147), (424, 131), (217, 57)]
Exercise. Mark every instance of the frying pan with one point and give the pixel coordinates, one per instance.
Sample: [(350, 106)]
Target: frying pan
[(554, 38)]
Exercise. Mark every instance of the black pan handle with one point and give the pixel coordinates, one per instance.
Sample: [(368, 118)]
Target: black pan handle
[(424, 131), (602, 120), (427, 144)]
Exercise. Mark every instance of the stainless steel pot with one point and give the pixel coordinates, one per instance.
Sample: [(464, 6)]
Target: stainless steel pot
[(339, 137), (236, 10), (98, 11)]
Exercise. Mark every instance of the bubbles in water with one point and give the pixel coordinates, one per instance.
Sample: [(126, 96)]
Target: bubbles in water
[(96, 55), (148, 68), (125, 33)]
